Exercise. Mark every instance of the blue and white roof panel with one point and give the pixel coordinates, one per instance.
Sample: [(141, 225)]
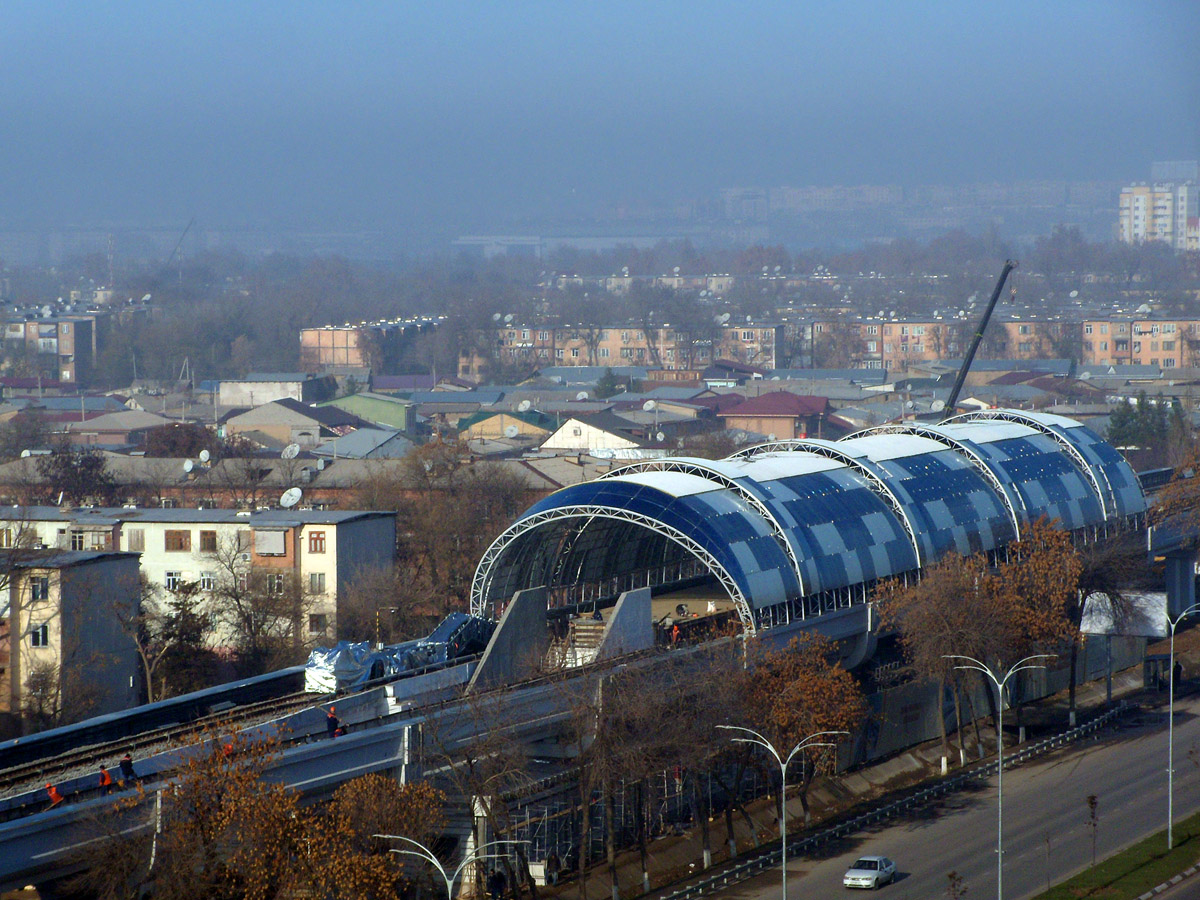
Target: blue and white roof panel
[(797, 518)]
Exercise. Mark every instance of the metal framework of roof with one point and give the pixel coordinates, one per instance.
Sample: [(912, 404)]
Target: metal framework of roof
[(783, 522)]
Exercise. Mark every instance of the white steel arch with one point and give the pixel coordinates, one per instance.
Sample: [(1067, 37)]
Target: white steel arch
[(933, 433), (493, 552), (830, 451), (1104, 493), (713, 474)]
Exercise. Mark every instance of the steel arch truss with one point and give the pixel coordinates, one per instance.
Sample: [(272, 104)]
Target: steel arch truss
[(710, 473), (495, 551), (830, 451), (935, 434), (1104, 493)]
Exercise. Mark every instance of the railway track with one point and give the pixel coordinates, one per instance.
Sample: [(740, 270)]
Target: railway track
[(53, 768)]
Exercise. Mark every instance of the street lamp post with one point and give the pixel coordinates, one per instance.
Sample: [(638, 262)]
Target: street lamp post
[(378, 610), (999, 682), (805, 744), (1171, 726), (423, 852)]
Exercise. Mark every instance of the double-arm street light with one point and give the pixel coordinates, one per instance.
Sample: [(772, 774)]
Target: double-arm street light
[(1171, 725), (1000, 682), (423, 852), (808, 742)]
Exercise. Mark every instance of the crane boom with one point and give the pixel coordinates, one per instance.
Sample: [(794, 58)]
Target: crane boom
[(1009, 265)]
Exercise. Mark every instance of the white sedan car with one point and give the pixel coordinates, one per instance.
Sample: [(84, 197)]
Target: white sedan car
[(870, 872)]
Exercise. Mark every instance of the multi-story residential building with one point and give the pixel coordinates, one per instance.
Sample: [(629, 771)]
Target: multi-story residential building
[(64, 347), (373, 346), (315, 553), (664, 347), (1167, 212), (65, 643), (1169, 344), (895, 345)]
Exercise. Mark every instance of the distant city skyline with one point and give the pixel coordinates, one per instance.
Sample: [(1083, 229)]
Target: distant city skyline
[(454, 117)]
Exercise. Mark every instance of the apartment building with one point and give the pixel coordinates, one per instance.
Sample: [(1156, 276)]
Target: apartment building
[(759, 344), (1169, 344), (64, 643), (896, 345), (317, 552), (373, 346), (1167, 212), (65, 346)]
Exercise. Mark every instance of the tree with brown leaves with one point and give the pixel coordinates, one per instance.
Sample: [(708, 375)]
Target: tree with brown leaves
[(799, 691)]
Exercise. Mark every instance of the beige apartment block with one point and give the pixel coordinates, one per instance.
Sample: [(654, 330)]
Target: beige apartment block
[(65, 647), (315, 553), (1167, 212), (760, 345), (1169, 344)]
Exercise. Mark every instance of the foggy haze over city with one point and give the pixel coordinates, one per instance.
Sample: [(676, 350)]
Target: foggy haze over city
[(440, 119)]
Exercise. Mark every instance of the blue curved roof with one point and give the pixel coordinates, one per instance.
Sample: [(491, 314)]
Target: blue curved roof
[(792, 519)]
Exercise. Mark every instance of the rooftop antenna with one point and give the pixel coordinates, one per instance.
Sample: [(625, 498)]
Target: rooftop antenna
[(952, 400)]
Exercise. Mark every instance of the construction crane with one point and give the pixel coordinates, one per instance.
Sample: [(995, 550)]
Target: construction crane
[(1009, 265)]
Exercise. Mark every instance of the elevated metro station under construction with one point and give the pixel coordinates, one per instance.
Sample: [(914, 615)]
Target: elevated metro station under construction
[(792, 530)]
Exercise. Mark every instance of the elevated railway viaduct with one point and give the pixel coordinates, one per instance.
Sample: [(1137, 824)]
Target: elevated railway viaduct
[(786, 536)]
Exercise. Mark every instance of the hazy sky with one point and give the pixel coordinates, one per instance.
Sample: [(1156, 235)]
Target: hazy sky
[(463, 115)]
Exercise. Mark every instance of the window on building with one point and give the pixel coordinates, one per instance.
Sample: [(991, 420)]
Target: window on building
[(1168, 363), (76, 539), (1168, 345), (1025, 346), (316, 582), (135, 539), (177, 541), (6, 538), (208, 581), (208, 542), (275, 583), (1104, 345), (1137, 346), (39, 588), (270, 542), (558, 353), (747, 335), (316, 542), (173, 581), (1087, 328), (1104, 329), (39, 635), (317, 623), (604, 353), (543, 335)]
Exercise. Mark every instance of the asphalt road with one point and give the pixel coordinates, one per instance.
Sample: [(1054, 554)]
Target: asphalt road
[(1046, 832)]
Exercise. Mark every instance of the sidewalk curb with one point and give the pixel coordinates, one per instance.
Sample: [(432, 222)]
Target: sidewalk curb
[(1182, 876)]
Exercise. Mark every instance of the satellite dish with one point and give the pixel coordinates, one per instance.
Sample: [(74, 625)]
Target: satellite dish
[(290, 497), (291, 451), (25, 454), (649, 406), (677, 270), (205, 456), (508, 319), (188, 465), (1074, 294), (582, 395), (937, 405), (724, 318), (771, 436), (660, 437), (145, 298), (320, 465), (496, 317), (511, 431), (909, 405), (524, 406)]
